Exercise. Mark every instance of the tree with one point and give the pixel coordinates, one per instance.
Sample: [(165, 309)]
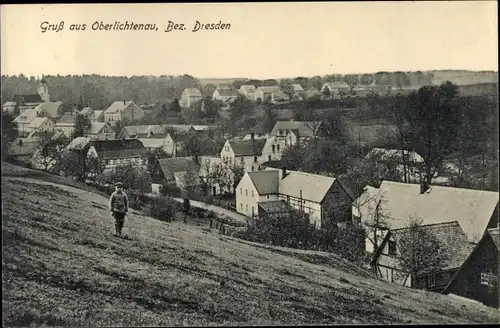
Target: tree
[(133, 177), (420, 251), (433, 118), (175, 106), (326, 92), (49, 152), (218, 174), (82, 125), (289, 91), (191, 184), (270, 119), (352, 80), (9, 132), (237, 173)]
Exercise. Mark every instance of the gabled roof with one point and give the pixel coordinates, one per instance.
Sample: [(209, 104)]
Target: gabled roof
[(50, 108), (307, 186), (27, 116), (10, 103), (200, 128), (170, 166), (78, 143), (135, 130), (86, 111), (38, 122), (67, 119), (97, 113), (247, 147), (115, 149), (452, 238), (226, 92), (297, 87), (304, 128), (472, 209), (31, 98), (248, 88), (180, 128), (336, 84), (273, 88), (152, 142), (276, 207), (96, 127), (266, 182), (396, 154), (118, 106), (192, 92)]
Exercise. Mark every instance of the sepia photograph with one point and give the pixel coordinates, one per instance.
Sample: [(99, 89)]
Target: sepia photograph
[(250, 164)]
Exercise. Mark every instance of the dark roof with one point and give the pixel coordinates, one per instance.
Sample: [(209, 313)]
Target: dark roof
[(22, 99), (67, 118), (266, 182), (301, 128), (169, 166), (494, 235), (247, 147), (122, 148), (453, 239), (226, 92), (276, 206)]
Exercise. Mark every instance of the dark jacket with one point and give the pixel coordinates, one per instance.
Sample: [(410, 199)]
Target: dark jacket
[(118, 202)]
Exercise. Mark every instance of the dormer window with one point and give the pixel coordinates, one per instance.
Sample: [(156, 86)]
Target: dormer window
[(392, 247)]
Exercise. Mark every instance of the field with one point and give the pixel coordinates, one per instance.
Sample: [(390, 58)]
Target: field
[(61, 266)]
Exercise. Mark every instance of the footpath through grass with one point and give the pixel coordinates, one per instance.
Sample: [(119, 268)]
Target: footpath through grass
[(61, 266)]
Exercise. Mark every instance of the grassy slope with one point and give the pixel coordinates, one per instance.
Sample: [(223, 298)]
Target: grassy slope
[(61, 267)]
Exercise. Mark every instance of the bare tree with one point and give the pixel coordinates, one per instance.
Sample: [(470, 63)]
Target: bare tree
[(420, 252), (49, 152)]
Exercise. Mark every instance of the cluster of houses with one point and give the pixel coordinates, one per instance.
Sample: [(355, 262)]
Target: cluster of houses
[(465, 221)]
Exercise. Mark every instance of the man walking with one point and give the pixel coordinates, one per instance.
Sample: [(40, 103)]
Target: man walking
[(118, 205)]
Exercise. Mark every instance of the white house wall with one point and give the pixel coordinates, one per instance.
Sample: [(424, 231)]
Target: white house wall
[(246, 197)]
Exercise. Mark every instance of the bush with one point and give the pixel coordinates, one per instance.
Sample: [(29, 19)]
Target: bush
[(170, 190), (134, 201), (163, 209)]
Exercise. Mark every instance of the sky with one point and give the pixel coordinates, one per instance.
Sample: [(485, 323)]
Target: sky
[(265, 40)]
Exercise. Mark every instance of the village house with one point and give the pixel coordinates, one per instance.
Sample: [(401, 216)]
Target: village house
[(296, 87), (394, 203), (478, 278), (208, 164), (190, 96), (287, 134), (51, 110), (336, 89), (23, 150), (112, 153), (451, 237), (248, 91), (380, 90), (66, 124), (32, 120), (173, 171), (100, 131), (246, 153), (270, 92), (122, 111), (320, 197), (225, 94), (87, 111)]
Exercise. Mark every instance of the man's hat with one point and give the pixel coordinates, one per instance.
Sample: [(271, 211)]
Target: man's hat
[(119, 184)]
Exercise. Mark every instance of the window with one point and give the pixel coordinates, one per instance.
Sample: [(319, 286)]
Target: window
[(267, 196), (487, 279), (392, 247), (252, 194), (269, 158), (246, 192), (431, 280), (241, 206), (246, 207), (288, 199), (274, 148), (230, 160), (255, 159), (253, 169), (242, 160), (278, 147), (241, 191)]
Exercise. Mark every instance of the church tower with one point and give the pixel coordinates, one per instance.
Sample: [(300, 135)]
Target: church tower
[(43, 90)]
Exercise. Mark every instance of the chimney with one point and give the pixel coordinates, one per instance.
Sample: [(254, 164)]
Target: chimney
[(124, 102), (252, 135), (283, 173)]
